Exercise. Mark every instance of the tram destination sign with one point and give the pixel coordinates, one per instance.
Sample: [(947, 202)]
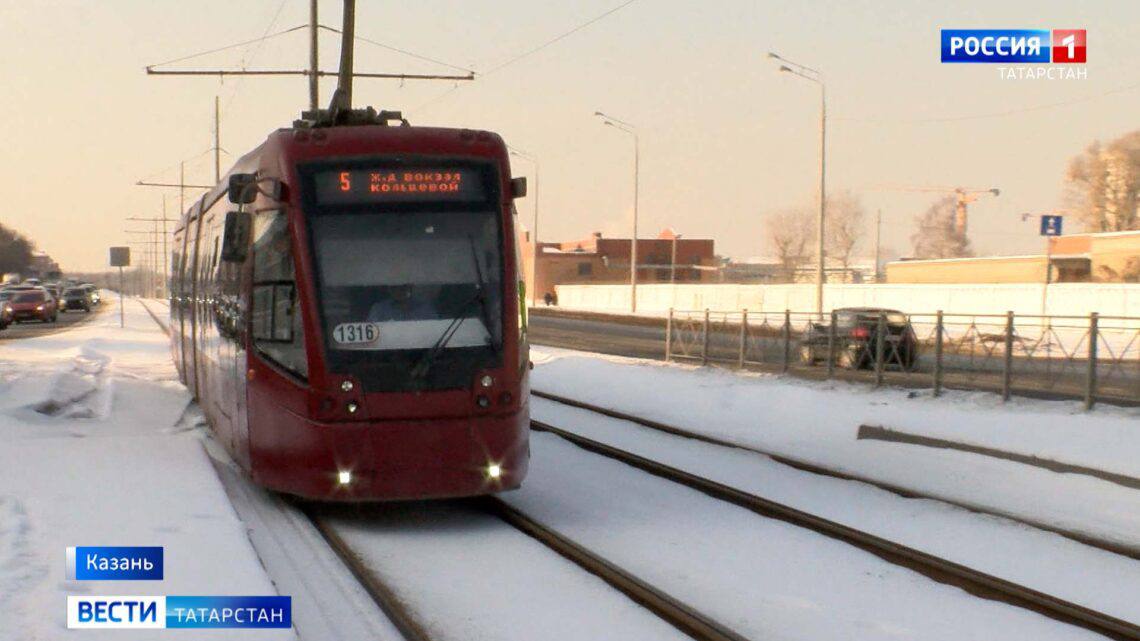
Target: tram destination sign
[(367, 185)]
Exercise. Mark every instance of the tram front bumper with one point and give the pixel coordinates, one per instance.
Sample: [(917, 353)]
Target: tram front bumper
[(392, 459)]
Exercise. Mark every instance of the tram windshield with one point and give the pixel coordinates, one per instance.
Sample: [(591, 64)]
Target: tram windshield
[(395, 285)]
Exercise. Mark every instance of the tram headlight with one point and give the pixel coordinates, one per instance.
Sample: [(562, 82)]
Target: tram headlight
[(494, 471), (482, 401), (487, 380), (344, 477), (352, 407), (346, 386)]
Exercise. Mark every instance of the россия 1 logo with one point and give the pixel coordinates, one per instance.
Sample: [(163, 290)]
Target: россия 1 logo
[(1006, 46)]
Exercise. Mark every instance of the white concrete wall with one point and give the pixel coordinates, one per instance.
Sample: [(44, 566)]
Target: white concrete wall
[(1064, 299)]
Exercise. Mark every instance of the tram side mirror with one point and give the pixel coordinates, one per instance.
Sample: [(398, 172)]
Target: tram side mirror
[(518, 187), (243, 188), (235, 241)]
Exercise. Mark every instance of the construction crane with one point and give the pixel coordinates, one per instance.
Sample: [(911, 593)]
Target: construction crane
[(964, 196)]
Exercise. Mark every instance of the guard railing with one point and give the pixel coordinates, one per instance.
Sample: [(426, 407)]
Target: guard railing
[(1088, 357)]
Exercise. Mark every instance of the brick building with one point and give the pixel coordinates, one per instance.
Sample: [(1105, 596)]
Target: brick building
[(598, 260)]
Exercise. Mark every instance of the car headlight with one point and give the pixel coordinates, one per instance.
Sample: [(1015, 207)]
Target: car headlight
[(39, 308)]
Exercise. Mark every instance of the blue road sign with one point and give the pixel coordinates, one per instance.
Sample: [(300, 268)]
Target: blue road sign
[(1051, 225)]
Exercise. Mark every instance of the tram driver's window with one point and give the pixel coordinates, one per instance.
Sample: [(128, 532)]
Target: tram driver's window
[(275, 318)]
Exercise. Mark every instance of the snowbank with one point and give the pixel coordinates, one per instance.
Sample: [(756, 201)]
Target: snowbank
[(93, 451)]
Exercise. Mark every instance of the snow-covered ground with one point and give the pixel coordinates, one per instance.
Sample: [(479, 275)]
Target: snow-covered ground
[(817, 422), (1025, 555), (468, 576), (764, 578), (94, 451), (99, 445)]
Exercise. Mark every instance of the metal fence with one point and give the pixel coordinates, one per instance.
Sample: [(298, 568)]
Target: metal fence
[(1091, 357)]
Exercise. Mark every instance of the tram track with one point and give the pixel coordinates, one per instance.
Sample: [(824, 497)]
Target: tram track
[(813, 468), (392, 607), (383, 596), (973, 581), (680, 615), (674, 612)]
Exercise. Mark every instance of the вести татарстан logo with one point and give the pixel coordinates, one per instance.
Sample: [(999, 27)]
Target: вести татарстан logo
[(1011, 46)]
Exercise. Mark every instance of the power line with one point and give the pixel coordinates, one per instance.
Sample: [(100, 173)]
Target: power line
[(264, 36), (405, 52), (558, 38), (260, 42), (527, 53), (227, 47)]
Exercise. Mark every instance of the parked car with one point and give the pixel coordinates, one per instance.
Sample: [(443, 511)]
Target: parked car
[(856, 339), (76, 298), (36, 304), (6, 314)]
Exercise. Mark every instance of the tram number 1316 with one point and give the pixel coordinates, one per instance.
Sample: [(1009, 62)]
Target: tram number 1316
[(357, 333)]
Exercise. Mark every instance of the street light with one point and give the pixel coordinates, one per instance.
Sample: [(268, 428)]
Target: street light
[(632, 131), (673, 260), (534, 234), (807, 73)]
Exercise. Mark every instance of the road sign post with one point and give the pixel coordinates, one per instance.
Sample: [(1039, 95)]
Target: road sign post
[(121, 257), (1050, 226)]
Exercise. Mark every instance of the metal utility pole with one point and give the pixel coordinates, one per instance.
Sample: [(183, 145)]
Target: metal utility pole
[(149, 264), (348, 34), (314, 69), (673, 260), (878, 239), (632, 131), (345, 74), (534, 233), (217, 142), (807, 73), (157, 242)]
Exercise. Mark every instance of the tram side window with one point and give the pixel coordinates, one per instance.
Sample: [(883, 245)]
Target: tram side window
[(275, 318)]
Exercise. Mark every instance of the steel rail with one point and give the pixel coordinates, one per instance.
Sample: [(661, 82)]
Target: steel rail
[(678, 614), (812, 468), (390, 604), (385, 599), (936, 568)]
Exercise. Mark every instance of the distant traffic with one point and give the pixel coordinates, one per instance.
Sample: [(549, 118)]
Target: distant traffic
[(32, 300)]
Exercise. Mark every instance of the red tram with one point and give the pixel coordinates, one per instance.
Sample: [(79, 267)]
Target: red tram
[(347, 309)]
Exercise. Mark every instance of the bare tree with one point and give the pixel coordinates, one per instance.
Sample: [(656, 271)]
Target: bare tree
[(936, 236), (1103, 184), (844, 228), (789, 232)]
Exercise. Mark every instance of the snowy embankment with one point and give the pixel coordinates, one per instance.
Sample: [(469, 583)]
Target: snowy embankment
[(94, 450), (818, 422)]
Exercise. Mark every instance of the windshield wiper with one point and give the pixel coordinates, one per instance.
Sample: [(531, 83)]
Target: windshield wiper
[(420, 369), (484, 310), (423, 365)]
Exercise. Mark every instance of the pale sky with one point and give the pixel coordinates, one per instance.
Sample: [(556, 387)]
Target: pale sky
[(725, 138)]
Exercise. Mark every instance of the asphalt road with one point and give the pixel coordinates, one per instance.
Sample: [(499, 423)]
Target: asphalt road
[(28, 329), (645, 338)]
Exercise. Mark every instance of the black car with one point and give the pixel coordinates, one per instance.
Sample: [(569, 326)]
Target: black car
[(76, 298), (856, 339)]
